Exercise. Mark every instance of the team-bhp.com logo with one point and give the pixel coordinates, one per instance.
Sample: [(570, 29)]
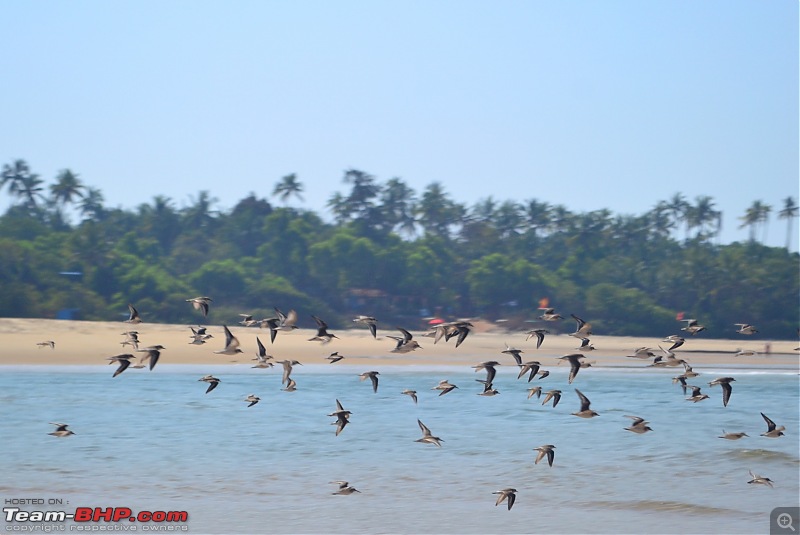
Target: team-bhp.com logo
[(88, 519)]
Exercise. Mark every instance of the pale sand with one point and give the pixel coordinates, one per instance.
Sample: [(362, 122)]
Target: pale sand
[(83, 342)]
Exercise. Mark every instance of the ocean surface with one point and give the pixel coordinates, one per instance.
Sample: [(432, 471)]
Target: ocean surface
[(154, 440)]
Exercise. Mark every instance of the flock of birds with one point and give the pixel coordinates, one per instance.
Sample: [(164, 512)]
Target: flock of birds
[(534, 370)]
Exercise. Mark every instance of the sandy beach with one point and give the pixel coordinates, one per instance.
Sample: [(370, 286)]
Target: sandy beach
[(87, 343)]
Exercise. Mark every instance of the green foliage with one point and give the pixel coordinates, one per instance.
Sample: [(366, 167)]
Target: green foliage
[(390, 252)]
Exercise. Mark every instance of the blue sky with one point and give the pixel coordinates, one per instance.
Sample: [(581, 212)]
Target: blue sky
[(589, 104)]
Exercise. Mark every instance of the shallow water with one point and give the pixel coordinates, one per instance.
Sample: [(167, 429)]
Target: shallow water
[(155, 440)]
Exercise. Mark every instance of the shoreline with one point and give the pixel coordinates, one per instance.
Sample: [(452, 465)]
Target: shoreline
[(88, 343)]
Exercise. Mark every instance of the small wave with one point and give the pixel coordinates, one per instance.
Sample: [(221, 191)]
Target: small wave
[(663, 506), (763, 455)]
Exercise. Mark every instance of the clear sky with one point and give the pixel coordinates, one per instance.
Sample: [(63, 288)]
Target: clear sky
[(589, 104)]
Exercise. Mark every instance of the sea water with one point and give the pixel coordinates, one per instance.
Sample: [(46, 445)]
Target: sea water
[(154, 440)]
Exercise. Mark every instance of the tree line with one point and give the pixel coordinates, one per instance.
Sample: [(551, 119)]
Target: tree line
[(390, 252)]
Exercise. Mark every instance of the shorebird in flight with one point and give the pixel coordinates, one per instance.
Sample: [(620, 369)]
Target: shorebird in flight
[(732, 436), (574, 364), (549, 314), (201, 304), (548, 450), (532, 366), (692, 327), (133, 316), (746, 328), (344, 488), (585, 345), (198, 336), (506, 494), (252, 399), (445, 387), (583, 329), (322, 332), (291, 385), (288, 366), (585, 411), (131, 339), (489, 366), (405, 343), (427, 436), (231, 344), (555, 395), (643, 353), (725, 383), (123, 360), (675, 340), (370, 322), (514, 352), (61, 430), (760, 480), (49, 343), (539, 334), (696, 394), (334, 357), (772, 430), (639, 426), (212, 382), (410, 393), (535, 391), (373, 377), (342, 417), (153, 353), (261, 356), (248, 321)]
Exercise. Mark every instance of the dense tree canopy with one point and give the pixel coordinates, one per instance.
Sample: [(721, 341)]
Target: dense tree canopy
[(391, 252)]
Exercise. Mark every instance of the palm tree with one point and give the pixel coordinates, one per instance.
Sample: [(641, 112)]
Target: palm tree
[(703, 217), (31, 190), (789, 212), (397, 204), (756, 214), (337, 204), (679, 208), (436, 212), (538, 216), (200, 215), (13, 177), (508, 219), (66, 188), (659, 220), (288, 186), (764, 219), (91, 205)]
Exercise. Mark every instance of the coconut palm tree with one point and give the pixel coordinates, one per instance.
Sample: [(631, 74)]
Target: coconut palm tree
[(789, 213), (538, 216), (755, 215), (91, 205), (288, 186), (13, 177), (397, 204), (679, 208), (67, 187)]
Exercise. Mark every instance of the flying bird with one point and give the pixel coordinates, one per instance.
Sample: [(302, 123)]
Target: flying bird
[(405, 343), (725, 383), (344, 488), (133, 316), (585, 411), (574, 364), (583, 329), (489, 366), (772, 430), (212, 382), (322, 332), (732, 436), (334, 357), (123, 360), (427, 436), (153, 353), (548, 450), (692, 327), (61, 430), (49, 343), (696, 394), (370, 322), (231, 344), (201, 304), (555, 395), (760, 480), (539, 334), (410, 393), (373, 377), (746, 328), (506, 494), (514, 352), (639, 426), (445, 387), (549, 314), (252, 399), (342, 417)]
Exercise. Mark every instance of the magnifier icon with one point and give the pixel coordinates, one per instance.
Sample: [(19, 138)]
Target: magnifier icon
[(785, 521)]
